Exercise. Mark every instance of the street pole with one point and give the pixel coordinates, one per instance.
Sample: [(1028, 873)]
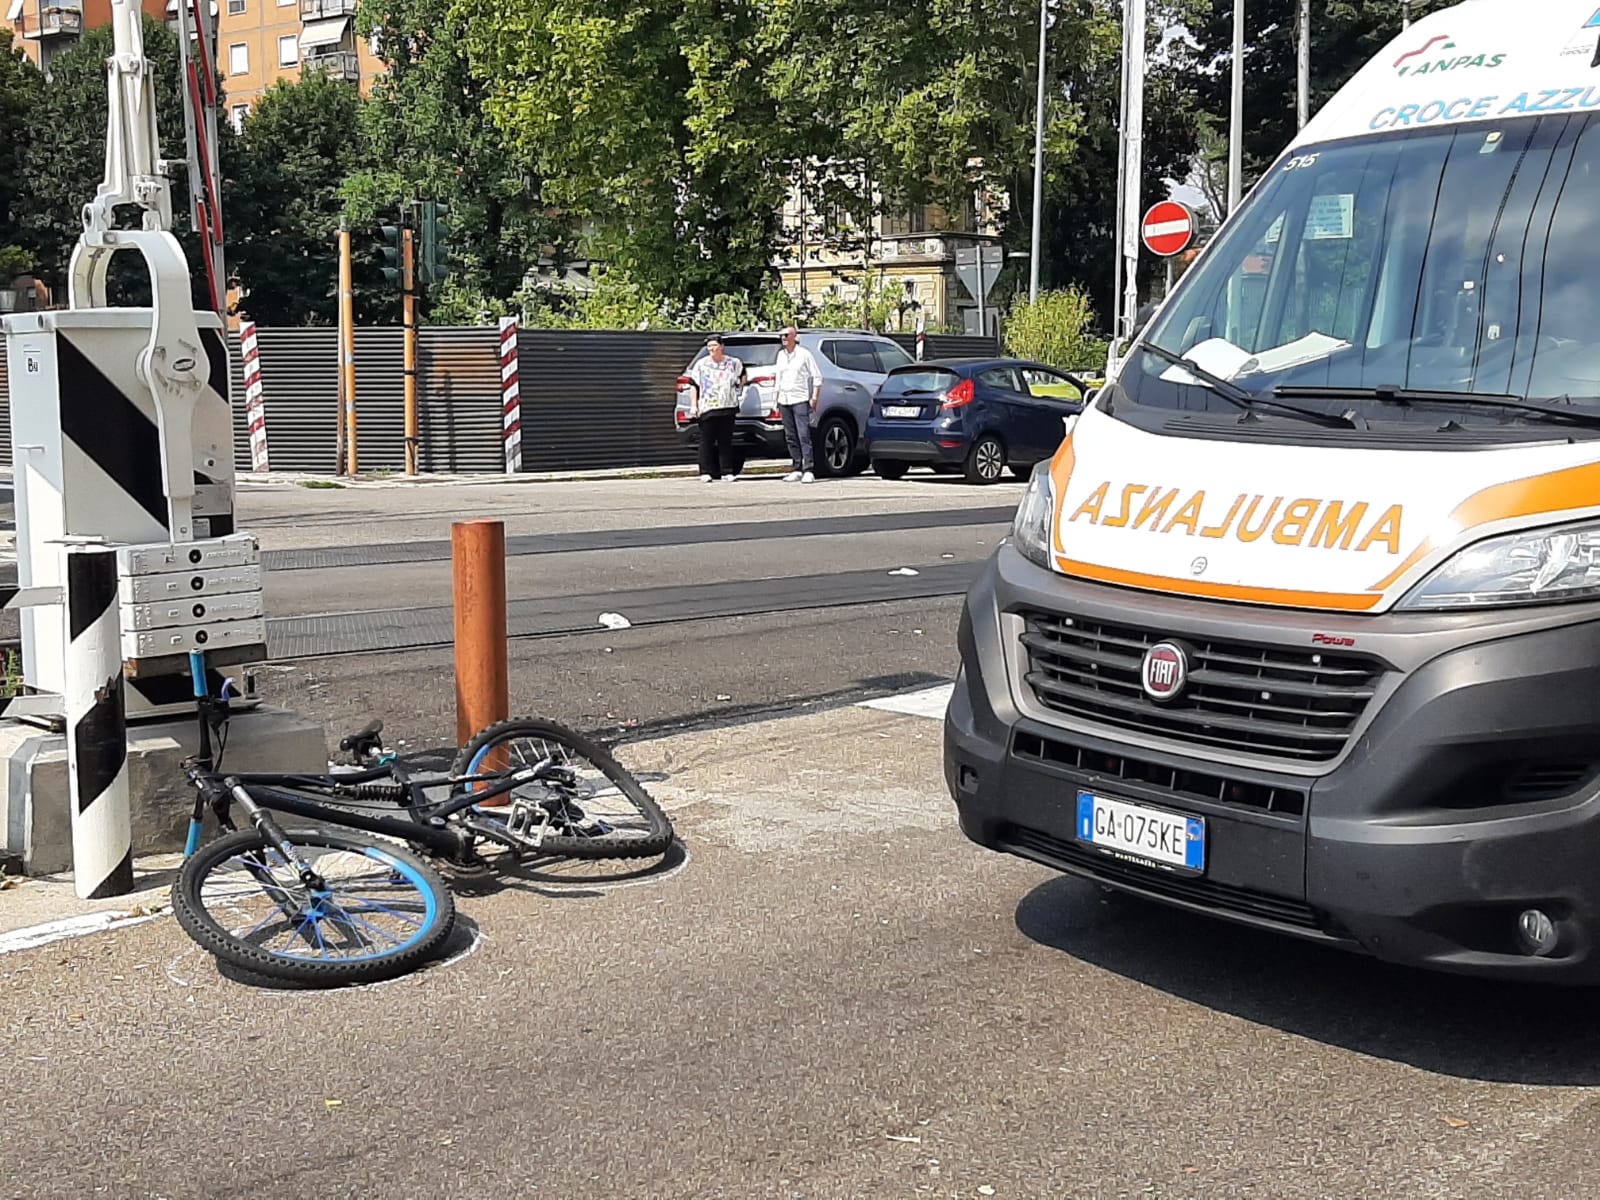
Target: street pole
[(408, 281), (1133, 139), (347, 349), (1038, 161), (1116, 233), (1405, 14), (983, 322), (1236, 112), (1303, 66), (339, 434)]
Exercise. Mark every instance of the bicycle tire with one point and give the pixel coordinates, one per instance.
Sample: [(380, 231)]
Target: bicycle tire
[(652, 835), (198, 893)]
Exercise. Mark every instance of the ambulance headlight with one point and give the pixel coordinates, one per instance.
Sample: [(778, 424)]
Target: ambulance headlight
[(1030, 528), (1540, 567)]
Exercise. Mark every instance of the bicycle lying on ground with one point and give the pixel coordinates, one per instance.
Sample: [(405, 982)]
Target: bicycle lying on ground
[(328, 907)]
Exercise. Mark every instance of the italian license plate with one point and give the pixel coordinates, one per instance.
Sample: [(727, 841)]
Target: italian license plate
[(1165, 839), (902, 410)]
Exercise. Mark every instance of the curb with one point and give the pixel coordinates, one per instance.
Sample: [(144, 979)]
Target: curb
[(337, 482)]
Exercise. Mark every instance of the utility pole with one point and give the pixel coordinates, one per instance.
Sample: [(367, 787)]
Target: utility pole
[(347, 349), (1133, 140), (1236, 112), (1303, 65), (1405, 14), (1038, 161), (408, 281)]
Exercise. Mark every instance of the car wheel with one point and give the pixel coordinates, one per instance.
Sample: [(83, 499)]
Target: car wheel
[(889, 468), (986, 461), (835, 446)]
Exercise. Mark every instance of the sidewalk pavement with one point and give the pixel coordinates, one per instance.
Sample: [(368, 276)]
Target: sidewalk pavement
[(768, 786), (388, 479)]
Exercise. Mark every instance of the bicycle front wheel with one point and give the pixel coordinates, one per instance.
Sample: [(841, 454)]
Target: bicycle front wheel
[(588, 806), (379, 912)]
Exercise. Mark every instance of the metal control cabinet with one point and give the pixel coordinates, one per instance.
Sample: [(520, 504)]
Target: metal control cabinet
[(87, 459)]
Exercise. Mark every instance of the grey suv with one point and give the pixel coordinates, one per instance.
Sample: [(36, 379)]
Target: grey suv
[(853, 364)]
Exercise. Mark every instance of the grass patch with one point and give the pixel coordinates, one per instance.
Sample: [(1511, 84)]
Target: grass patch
[(320, 483)]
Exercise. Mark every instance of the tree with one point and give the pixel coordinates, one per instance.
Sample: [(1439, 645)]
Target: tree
[(426, 135), (283, 204), (63, 159), (1345, 34), (20, 86), (650, 123)]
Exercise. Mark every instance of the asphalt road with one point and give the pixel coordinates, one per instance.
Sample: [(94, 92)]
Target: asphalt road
[(828, 995)]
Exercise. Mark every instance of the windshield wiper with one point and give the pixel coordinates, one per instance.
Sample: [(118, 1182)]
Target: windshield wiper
[(1400, 395), (1237, 396)]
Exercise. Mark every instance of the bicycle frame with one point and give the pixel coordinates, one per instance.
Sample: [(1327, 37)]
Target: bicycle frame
[(425, 823)]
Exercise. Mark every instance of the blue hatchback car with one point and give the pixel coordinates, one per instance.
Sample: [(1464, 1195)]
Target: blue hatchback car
[(976, 416)]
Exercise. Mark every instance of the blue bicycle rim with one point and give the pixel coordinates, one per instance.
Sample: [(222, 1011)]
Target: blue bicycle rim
[(430, 914)]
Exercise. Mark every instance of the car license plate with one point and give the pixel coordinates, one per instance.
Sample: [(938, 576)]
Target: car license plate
[(1166, 839), (902, 410)]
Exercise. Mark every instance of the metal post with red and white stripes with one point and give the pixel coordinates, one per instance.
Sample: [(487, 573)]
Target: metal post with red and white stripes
[(255, 413), (510, 396)]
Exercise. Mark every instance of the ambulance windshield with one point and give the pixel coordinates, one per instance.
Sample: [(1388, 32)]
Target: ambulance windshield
[(1441, 260)]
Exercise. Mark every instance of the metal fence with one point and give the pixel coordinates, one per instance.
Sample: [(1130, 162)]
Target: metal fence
[(590, 398)]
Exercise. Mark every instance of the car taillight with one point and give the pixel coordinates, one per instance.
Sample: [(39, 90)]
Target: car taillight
[(962, 393), (774, 415), (684, 382), (764, 380)]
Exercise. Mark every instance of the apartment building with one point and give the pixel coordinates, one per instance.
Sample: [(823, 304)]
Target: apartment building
[(43, 28), (909, 253), (262, 41), (258, 41)]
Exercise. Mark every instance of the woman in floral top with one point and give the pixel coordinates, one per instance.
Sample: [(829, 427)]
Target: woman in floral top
[(719, 382)]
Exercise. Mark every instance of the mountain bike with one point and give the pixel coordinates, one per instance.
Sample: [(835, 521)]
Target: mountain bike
[(327, 906)]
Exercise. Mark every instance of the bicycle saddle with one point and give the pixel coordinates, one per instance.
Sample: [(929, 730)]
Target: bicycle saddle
[(364, 739)]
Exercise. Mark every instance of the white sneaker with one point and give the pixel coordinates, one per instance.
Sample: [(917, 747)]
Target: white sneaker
[(792, 477), (729, 478), (707, 479), (808, 477)]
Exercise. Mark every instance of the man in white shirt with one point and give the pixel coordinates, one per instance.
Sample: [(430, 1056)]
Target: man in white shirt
[(799, 385)]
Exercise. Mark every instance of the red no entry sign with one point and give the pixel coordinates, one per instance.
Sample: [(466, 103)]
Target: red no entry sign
[(1168, 228)]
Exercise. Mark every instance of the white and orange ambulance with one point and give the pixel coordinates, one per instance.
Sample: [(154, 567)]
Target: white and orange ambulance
[(1301, 626)]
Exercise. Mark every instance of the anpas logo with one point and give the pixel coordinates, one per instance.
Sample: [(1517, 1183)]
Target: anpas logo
[(1586, 42), (1434, 56)]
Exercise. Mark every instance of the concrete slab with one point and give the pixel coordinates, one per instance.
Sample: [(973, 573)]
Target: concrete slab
[(37, 824), (788, 784)]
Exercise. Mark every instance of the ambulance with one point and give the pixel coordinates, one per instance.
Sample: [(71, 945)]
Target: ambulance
[(1300, 627)]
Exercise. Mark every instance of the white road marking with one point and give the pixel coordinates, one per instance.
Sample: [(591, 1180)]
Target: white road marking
[(930, 702), (70, 927)]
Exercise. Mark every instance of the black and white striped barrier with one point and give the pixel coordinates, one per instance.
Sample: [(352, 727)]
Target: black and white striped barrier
[(97, 736), (35, 704)]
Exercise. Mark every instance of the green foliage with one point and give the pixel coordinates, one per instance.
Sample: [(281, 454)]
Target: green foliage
[(283, 206), (649, 122), (20, 89), (619, 301), (425, 135), (1056, 329), (14, 261)]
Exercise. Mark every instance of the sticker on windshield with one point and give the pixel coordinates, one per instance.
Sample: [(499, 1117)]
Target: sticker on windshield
[(1331, 216)]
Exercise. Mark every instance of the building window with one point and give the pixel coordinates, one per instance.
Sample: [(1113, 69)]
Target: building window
[(236, 8), (288, 50), (236, 116), (239, 59)]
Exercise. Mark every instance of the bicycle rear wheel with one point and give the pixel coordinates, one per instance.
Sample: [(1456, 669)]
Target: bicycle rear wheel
[(592, 808), (382, 913)]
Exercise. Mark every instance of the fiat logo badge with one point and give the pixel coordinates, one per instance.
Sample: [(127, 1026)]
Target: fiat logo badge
[(1164, 672)]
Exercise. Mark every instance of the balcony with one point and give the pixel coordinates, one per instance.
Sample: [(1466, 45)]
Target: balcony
[(339, 64), (47, 23), (321, 10)]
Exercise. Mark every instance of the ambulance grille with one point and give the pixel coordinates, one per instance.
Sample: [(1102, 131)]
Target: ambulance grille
[(1270, 700)]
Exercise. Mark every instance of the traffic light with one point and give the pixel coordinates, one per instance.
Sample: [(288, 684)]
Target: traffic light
[(437, 230), (391, 254)]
